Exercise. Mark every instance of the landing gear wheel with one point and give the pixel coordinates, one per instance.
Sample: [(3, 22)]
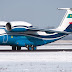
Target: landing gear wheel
[(33, 47), (27, 46), (18, 48), (14, 48)]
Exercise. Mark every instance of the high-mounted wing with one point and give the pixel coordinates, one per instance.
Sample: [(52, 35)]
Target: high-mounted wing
[(20, 26)]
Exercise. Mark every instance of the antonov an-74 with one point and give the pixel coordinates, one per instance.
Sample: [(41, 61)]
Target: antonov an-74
[(22, 34)]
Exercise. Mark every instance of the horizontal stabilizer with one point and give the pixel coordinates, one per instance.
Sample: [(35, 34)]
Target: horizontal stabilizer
[(64, 8)]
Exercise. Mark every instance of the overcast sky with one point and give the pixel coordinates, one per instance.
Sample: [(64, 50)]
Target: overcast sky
[(40, 13)]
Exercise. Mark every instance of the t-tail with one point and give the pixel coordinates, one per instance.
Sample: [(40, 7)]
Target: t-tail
[(66, 23), (65, 26)]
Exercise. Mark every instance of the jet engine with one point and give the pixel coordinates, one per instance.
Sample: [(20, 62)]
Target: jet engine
[(18, 26), (8, 27)]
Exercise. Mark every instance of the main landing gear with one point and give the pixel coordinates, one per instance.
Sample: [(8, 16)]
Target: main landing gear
[(14, 48), (31, 47)]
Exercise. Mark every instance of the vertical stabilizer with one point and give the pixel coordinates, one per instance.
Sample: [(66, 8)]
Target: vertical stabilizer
[(66, 23)]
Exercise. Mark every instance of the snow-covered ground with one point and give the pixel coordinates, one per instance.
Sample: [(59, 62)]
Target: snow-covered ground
[(37, 61), (36, 67), (36, 56)]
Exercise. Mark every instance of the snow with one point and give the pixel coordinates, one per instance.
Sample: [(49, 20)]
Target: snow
[(36, 57), (37, 61), (35, 67)]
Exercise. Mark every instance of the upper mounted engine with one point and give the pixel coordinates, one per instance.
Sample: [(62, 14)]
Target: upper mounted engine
[(18, 26), (8, 26)]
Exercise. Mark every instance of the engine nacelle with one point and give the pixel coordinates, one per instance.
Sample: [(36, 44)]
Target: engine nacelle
[(18, 26), (8, 27)]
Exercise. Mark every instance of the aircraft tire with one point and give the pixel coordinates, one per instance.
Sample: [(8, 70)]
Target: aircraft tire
[(18, 48), (34, 48), (29, 48), (13, 48)]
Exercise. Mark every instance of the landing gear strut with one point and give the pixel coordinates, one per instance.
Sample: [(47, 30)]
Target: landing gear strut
[(31, 48), (18, 48), (13, 48)]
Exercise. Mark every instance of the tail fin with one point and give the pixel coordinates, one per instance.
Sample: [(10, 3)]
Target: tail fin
[(66, 23)]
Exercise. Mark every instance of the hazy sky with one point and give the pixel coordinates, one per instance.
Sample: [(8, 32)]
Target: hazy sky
[(42, 13)]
